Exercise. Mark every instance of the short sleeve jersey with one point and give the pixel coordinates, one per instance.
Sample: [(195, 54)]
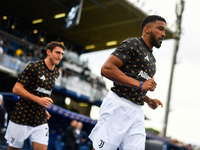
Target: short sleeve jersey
[(138, 63), (40, 81)]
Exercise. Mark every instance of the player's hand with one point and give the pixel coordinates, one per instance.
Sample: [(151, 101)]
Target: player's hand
[(48, 115), (149, 85), (45, 101), (154, 103)]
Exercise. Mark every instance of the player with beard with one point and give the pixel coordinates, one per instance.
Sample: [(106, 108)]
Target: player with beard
[(34, 86), (131, 67)]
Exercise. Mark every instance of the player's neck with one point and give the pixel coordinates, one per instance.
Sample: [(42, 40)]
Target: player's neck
[(49, 64), (147, 41)]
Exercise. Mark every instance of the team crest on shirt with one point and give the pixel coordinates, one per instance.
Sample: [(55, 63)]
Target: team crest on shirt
[(12, 140), (101, 143)]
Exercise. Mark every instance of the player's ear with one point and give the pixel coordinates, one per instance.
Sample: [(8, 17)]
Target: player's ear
[(147, 29), (48, 52)]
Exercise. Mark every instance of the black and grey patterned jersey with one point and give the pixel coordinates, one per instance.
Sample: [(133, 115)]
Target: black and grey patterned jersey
[(38, 80), (138, 63)]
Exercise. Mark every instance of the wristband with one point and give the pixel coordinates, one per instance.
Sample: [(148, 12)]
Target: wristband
[(140, 85)]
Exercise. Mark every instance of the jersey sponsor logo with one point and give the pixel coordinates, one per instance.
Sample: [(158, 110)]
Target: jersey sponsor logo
[(101, 144), (147, 57), (43, 77), (43, 90), (144, 75)]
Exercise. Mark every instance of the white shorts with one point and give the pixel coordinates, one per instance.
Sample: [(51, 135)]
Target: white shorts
[(16, 134), (120, 124)]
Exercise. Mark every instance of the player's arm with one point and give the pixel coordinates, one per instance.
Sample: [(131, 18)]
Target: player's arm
[(153, 103), (19, 90), (110, 70)]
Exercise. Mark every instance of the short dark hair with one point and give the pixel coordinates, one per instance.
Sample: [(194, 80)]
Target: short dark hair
[(151, 18), (53, 44)]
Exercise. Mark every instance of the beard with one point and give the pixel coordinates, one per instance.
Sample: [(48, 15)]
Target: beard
[(54, 61), (154, 41)]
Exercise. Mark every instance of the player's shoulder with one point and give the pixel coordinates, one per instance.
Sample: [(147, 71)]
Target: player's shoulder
[(39, 62), (35, 63), (131, 39)]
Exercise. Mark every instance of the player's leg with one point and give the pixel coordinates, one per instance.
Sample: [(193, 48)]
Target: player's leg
[(115, 119), (136, 136), (12, 148), (40, 137), (103, 128), (15, 135), (136, 141), (38, 146)]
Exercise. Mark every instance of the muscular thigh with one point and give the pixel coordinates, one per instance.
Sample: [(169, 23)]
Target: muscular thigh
[(16, 135), (12, 148), (40, 135), (38, 146)]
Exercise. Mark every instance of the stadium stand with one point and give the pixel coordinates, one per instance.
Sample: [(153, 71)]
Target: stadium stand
[(74, 74)]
